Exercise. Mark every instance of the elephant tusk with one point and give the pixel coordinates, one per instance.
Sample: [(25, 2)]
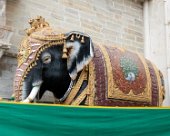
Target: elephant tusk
[(32, 95)]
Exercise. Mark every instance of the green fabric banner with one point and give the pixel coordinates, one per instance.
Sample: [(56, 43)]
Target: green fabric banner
[(48, 120)]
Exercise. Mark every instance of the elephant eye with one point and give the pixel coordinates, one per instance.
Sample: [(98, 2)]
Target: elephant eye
[(46, 58)]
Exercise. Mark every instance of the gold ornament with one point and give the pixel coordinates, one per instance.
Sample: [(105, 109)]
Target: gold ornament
[(64, 51), (82, 39), (24, 52), (35, 24), (72, 38), (78, 36)]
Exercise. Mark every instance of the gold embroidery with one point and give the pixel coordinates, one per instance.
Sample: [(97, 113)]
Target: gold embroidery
[(47, 34), (147, 92), (159, 85), (110, 82), (89, 91), (80, 98), (24, 52), (91, 85), (74, 91)]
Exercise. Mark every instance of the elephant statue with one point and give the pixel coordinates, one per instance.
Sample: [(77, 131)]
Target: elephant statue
[(80, 73)]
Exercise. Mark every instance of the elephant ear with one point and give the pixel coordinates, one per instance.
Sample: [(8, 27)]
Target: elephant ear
[(80, 52)]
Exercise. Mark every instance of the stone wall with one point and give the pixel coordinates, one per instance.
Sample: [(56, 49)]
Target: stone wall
[(7, 66), (113, 22)]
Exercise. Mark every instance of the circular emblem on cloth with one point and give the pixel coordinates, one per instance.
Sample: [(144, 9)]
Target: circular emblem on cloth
[(129, 68), (129, 72)]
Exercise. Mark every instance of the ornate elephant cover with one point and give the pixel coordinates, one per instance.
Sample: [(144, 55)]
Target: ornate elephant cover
[(125, 78), (39, 37)]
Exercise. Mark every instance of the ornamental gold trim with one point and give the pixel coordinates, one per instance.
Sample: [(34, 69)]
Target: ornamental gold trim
[(91, 85), (160, 88), (88, 93), (24, 52), (81, 97), (147, 91), (76, 88), (36, 24), (110, 81), (47, 34)]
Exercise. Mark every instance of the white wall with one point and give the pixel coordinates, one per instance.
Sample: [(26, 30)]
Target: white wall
[(156, 45), (167, 28)]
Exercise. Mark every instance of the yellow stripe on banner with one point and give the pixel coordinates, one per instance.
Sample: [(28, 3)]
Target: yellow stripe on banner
[(73, 106)]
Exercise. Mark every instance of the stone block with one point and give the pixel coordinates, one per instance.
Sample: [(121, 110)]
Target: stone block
[(5, 35), (87, 25), (72, 12), (72, 20), (139, 39), (119, 5), (57, 16), (128, 37)]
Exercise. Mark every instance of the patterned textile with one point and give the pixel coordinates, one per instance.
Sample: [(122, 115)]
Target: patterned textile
[(125, 78)]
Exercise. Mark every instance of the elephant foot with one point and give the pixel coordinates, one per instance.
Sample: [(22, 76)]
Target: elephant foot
[(27, 100)]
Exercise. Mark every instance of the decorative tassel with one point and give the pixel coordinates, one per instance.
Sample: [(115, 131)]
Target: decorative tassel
[(20, 93), (64, 51), (30, 66), (82, 39), (28, 69), (78, 36), (72, 38)]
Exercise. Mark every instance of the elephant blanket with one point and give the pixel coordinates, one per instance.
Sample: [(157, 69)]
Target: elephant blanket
[(114, 76), (117, 77), (123, 78)]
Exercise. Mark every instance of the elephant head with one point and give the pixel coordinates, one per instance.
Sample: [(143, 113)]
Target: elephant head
[(49, 61)]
